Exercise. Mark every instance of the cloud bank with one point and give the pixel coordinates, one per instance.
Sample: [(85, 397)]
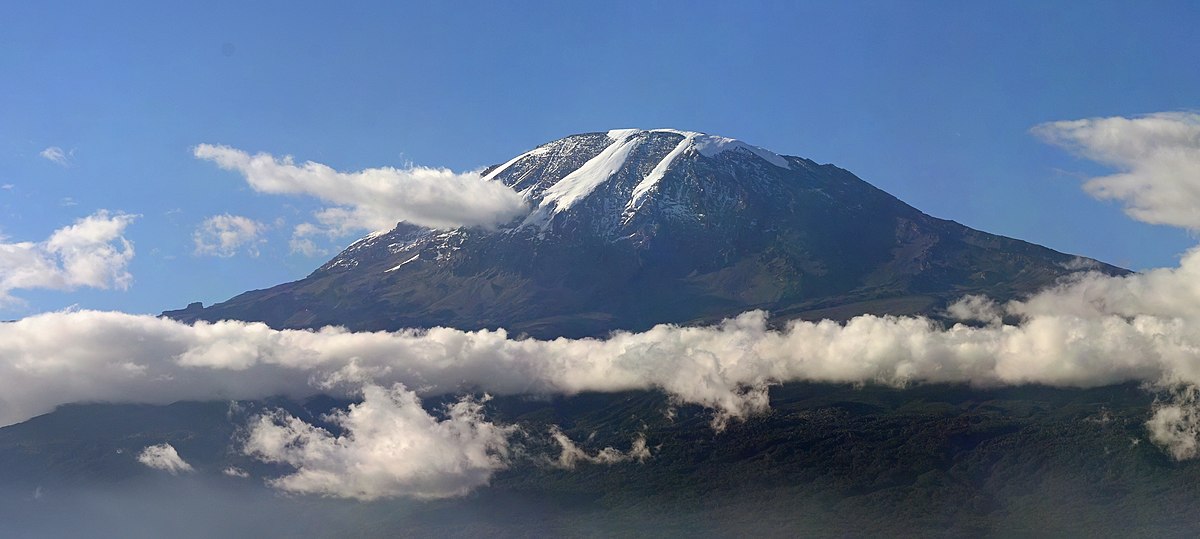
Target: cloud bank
[(92, 252), (57, 358), (225, 235), (376, 198), (64, 357)]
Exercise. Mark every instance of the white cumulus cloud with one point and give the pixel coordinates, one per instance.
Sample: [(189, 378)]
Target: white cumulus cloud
[(1175, 424), (92, 252), (225, 235), (1157, 157), (392, 447), (376, 198), (164, 457)]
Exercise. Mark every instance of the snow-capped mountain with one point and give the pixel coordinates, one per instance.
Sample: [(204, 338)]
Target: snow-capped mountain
[(631, 228)]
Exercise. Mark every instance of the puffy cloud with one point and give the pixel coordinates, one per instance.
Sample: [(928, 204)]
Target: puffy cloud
[(1175, 424), (1158, 158), (224, 235), (164, 457), (391, 447), (56, 155), (376, 198), (976, 308), (91, 252), (1165, 304), (1171, 292)]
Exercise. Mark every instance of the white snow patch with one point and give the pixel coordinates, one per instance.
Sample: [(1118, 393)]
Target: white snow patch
[(540, 150), (709, 146), (660, 170), (622, 134), (400, 265), (578, 184), (692, 134), (368, 237)]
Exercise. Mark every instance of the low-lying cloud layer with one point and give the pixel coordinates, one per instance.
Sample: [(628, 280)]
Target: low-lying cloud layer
[(63, 357), (92, 252), (376, 198)]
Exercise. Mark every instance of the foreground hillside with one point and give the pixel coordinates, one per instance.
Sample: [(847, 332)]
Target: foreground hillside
[(827, 460)]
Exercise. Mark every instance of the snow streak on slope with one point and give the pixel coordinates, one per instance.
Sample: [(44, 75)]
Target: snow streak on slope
[(541, 150), (710, 146), (401, 265), (580, 183), (583, 181), (660, 170)]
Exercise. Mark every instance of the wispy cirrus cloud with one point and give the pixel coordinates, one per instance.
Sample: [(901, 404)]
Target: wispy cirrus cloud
[(572, 455), (302, 240), (56, 155), (225, 235)]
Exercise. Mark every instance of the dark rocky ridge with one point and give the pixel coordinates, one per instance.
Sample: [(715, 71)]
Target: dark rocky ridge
[(727, 228)]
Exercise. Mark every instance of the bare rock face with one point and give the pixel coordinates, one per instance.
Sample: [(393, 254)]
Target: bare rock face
[(632, 228)]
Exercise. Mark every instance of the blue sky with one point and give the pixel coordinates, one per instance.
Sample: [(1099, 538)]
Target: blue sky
[(932, 102)]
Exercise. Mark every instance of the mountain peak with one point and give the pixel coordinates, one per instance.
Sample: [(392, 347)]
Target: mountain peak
[(623, 166), (629, 228)]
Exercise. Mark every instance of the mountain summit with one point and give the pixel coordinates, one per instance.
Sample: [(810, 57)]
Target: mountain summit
[(631, 228)]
